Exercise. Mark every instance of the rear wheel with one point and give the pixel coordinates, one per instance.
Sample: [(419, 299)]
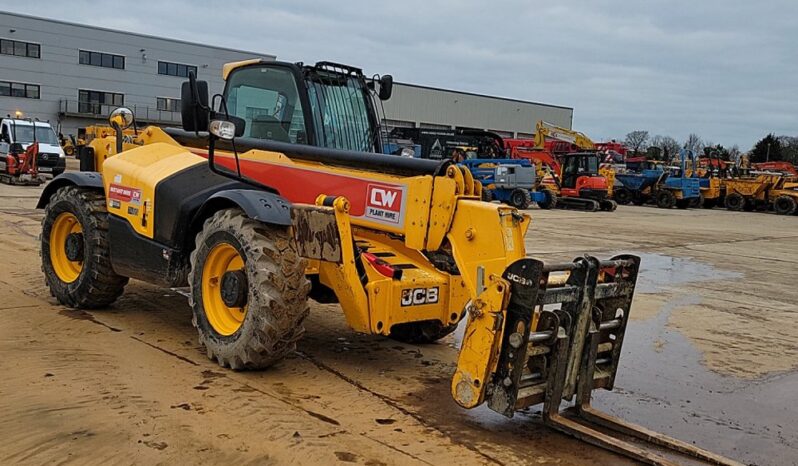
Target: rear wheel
[(487, 195), (520, 198), (735, 201), (426, 331), (75, 250), (549, 201), (784, 205), (697, 202), (248, 291), (665, 199), (622, 196)]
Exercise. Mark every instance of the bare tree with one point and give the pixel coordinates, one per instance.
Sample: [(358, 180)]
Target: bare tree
[(735, 153), (668, 146), (637, 140), (789, 148), (694, 143)]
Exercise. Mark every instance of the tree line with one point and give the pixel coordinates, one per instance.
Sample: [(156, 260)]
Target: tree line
[(769, 148)]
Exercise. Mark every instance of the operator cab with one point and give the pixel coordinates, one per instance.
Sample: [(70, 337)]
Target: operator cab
[(324, 105), (577, 165)]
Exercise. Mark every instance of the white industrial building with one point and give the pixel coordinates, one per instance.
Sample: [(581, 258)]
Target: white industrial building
[(74, 74)]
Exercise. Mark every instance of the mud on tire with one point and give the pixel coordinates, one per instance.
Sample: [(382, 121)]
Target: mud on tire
[(277, 294), (426, 331), (97, 285)]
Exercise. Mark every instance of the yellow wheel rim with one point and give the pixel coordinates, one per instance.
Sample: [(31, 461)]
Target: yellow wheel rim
[(65, 224), (222, 258)]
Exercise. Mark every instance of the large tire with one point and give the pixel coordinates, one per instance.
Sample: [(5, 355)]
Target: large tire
[(784, 205), (550, 201), (735, 202), (426, 331), (520, 199), (665, 199), (80, 219), (274, 291), (697, 202), (622, 196), (487, 195)]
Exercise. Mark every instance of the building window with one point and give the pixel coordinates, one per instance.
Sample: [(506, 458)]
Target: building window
[(98, 102), (25, 91), (175, 69), (20, 49), (167, 104), (105, 60)]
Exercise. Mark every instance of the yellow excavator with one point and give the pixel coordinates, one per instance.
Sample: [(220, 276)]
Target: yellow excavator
[(271, 196)]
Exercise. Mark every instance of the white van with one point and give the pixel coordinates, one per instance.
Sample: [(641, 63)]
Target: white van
[(51, 159)]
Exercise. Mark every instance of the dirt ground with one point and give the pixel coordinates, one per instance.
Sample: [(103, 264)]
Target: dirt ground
[(711, 357)]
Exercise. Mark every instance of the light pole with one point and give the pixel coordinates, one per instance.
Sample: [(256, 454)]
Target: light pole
[(767, 156)]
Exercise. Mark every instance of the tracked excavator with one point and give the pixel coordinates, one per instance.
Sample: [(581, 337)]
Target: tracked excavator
[(257, 204)]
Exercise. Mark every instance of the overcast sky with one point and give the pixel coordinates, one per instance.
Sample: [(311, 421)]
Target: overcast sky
[(726, 70)]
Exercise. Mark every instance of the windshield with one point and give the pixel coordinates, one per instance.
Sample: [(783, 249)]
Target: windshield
[(340, 111), (268, 100), (24, 134)]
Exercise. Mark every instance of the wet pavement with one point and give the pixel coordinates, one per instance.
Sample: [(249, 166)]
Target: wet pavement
[(710, 356)]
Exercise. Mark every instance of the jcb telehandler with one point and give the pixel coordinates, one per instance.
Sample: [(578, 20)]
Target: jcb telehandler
[(251, 208)]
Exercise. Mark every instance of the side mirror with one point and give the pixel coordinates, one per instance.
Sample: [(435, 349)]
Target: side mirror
[(121, 118), (386, 87), (194, 109)]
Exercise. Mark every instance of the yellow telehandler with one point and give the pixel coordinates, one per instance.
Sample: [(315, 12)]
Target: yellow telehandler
[(271, 196)]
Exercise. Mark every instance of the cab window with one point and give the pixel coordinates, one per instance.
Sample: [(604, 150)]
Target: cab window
[(268, 100)]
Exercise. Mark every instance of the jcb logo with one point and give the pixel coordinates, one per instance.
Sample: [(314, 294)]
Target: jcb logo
[(418, 296), (383, 197)]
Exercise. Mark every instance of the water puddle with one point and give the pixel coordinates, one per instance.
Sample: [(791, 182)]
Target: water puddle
[(657, 271), (660, 270)]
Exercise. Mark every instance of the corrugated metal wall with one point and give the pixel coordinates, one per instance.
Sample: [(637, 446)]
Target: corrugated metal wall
[(429, 107)]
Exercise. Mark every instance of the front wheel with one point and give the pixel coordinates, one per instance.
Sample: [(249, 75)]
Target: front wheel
[(248, 291), (735, 202), (665, 199), (75, 250)]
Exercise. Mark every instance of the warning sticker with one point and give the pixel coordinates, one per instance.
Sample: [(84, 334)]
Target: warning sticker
[(124, 193), (384, 203)]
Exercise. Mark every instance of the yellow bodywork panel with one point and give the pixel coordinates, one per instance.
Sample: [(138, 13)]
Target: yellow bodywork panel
[(130, 179), (228, 68), (485, 238)]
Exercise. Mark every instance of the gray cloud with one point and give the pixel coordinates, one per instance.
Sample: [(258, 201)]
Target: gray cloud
[(725, 70)]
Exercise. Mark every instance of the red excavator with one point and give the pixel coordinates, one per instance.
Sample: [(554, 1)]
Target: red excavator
[(18, 165), (575, 178)]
